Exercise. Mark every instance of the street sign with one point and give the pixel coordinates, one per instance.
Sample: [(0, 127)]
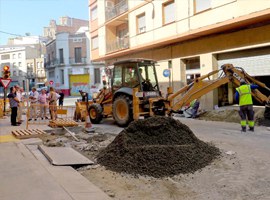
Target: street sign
[(166, 72), (5, 82), (51, 82)]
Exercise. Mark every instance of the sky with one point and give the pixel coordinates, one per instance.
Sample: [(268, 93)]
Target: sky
[(19, 17)]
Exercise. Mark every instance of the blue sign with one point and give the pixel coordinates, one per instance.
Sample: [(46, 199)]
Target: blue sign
[(166, 72)]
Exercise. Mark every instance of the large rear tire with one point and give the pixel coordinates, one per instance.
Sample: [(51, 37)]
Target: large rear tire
[(122, 110), (95, 113)]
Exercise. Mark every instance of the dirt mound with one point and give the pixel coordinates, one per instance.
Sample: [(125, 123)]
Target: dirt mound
[(158, 147), (223, 115), (232, 115)]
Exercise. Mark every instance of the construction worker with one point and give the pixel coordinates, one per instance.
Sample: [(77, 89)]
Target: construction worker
[(244, 97), (195, 104)]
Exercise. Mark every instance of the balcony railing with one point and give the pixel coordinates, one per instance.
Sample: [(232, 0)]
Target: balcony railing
[(118, 44), (53, 63), (113, 11), (41, 75), (82, 61)]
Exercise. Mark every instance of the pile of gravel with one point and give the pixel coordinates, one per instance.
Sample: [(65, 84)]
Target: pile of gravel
[(158, 147)]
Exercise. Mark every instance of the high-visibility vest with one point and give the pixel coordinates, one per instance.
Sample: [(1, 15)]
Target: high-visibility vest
[(192, 103), (245, 97)]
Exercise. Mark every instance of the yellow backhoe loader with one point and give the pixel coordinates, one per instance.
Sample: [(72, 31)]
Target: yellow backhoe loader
[(134, 92)]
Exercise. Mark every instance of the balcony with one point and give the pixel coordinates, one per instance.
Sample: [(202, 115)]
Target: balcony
[(116, 10), (41, 75), (53, 63), (82, 61), (118, 44)]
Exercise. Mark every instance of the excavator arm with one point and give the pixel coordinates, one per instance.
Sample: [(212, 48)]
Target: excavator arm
[(202, 85)]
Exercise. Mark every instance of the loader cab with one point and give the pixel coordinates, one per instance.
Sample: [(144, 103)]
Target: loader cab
[(135, 73)]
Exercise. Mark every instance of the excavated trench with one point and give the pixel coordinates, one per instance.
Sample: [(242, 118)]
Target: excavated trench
[(157, 147)]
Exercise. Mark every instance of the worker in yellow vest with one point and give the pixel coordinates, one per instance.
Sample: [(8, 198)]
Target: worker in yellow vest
[(195, 104), (243, 95)]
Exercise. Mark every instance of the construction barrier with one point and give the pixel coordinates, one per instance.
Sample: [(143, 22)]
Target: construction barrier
[(1, 108), (54, 116), (7, 109)]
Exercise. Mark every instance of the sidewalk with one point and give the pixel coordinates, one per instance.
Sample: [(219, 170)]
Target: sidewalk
[(26, 174)]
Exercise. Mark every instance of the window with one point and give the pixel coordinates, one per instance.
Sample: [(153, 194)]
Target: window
[(94, 14), (14, 56), (95, 42), (193, 63), (20, 64), (51, 74), (77, 39), (190, 77), (192, 69), (201, 5), (97, 75), (141, 23), (14, 64), (38, 65), (117, 81), (61, 55), (78, 55), (5, 57), (168, 12), (19, 55), (62, 74)]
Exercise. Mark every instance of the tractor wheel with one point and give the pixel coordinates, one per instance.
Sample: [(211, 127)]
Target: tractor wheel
[(95, 113), (122, 110)]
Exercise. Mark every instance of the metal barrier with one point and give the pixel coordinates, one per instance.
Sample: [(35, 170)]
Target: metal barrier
[(44, 114)]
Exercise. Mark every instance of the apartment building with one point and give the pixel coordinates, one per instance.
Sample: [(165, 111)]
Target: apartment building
[(189, 37), (25, 57), (68, 65), (66, 24)]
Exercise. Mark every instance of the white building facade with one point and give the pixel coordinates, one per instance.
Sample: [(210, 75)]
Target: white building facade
[(68, 65), (189, 37)]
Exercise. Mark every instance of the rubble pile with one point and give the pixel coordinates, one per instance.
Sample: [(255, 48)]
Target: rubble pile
[(158, 147)]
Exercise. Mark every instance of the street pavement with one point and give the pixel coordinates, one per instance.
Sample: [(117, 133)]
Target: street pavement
[(25, 174)]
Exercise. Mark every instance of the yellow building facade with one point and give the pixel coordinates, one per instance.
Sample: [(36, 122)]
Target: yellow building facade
[(189, 37)]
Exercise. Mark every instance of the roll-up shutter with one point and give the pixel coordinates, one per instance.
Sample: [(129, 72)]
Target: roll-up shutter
[(255, 62)]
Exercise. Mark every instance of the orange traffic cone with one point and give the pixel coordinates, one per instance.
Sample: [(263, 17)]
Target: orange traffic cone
[(88, 125)]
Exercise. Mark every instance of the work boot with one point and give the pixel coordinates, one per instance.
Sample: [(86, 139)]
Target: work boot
[(244, 129), (251, 129)]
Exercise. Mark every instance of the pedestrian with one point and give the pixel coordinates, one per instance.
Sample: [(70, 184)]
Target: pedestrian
[(20, 106), (42, 99), (14, 103), (244, 97), (33, 104), (52, 103), (61, 99)]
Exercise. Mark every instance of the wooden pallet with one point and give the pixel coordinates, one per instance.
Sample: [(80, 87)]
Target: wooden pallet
[(30, 133), (62, 122)]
